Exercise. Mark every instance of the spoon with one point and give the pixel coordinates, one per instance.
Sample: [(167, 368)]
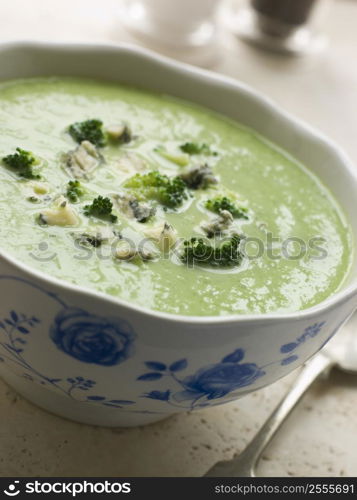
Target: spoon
[(341, 352)]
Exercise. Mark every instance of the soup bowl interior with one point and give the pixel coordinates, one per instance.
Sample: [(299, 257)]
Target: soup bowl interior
[(99, 360)]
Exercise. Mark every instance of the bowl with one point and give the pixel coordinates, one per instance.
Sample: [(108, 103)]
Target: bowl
[(99, 360)]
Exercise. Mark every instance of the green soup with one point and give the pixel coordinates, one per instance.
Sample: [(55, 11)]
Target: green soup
[(273, 237)]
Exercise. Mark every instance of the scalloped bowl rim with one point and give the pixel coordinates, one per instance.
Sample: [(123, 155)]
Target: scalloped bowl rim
[(269, 105)]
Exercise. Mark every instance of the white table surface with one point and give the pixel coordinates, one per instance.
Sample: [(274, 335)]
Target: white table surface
[(320, 438)]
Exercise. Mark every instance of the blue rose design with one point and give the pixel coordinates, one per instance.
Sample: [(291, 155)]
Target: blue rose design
[(216, 381), (92, 339)]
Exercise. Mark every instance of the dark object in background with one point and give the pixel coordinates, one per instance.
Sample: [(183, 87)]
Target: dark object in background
[(288, 11), (292, 27), (281, 17)]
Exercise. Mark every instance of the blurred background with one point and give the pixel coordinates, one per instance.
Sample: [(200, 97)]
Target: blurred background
[(305, 59), (318, 86)]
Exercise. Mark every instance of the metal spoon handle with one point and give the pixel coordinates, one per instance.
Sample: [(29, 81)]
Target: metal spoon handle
[(243, 464)]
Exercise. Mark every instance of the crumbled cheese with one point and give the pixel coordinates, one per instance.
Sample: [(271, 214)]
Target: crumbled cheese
[(198, 177), (62, 214), (132, 208), (218, 224), (83, 160), (119, 133), (163, 234)]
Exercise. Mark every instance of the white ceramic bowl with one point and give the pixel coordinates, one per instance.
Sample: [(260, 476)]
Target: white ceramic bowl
[(92, 358)]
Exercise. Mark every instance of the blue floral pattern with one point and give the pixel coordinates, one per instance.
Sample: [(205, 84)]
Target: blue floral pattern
[(309, 332), (216, 381), (92, 339), (107, 342), (211, 382), (14, 328)]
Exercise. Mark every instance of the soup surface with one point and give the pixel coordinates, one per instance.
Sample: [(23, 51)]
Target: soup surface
[(161, 203)]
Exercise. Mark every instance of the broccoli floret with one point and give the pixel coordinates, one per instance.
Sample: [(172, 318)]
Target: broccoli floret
[(89, 130), (156, 186), (228, 254), (101, 207), (221, 203), (22, 163), (74, 191), (193, 148)]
